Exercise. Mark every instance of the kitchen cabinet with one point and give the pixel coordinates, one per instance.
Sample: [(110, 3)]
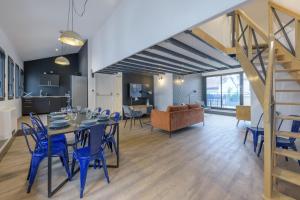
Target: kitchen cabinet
[(50, 80), (43, 105)]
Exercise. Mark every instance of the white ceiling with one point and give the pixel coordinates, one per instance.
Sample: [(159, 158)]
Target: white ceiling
[(33, 25)]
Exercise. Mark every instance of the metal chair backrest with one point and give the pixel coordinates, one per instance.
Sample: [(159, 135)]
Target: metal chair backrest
[(39, 127), (260, 119), (295, 128), (96, 134), (127, 111), (28, 131), (105, 113)]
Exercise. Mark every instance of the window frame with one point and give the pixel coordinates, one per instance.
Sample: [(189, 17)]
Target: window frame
[(10, 74), (2, 98), (21, 82), (17, 81), (241, 90)]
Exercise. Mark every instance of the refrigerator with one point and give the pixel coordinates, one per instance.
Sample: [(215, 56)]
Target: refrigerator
[(79, 91)]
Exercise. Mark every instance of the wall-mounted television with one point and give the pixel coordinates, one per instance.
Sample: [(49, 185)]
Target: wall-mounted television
[(138, 90)]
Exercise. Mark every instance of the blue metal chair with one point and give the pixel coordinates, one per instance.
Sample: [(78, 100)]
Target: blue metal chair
[(93, 152), (256, 132), (109, 138), (285, 143), (42, 131), (39, 152)]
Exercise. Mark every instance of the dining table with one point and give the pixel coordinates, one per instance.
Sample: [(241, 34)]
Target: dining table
[(73, 126)]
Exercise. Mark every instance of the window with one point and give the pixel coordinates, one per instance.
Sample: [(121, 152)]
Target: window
[(246, 91), (17, 81), (227, 91), (2, 74), (213, 91), (230, 91), (10, 78), (21, 82)]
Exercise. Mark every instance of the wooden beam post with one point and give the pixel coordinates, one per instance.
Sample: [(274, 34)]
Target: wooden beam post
[(250, 52), (297, 38), (237, 27)]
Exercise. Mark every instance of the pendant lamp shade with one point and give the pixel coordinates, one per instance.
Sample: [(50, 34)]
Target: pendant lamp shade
[(71, 38), (61, 60)]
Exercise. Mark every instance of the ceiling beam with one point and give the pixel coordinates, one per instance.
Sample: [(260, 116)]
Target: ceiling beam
[(179, 55), (120, 69), (131, 61), (139, 67), (195, 51), (157, 56)]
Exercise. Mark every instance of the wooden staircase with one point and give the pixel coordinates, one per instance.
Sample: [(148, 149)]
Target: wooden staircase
[(264, 76)]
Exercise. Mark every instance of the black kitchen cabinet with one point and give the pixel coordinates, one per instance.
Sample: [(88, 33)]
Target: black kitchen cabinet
[(43, 105), (49, 80)]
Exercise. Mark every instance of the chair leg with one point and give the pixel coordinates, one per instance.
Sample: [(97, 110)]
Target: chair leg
[(29, 171), (35, 162), (73, 167), (125, 122), (255, 141), (66, 165), (170, 134), (103, 161), (114, 145), (141, 122), (84, 165), (246, 135), (260, 148), (237, 124), (131, 123)]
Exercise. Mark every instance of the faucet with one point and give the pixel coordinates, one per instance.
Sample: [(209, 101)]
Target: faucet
[(41, 92)]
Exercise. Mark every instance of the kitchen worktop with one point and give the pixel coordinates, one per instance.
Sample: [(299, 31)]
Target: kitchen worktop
[(27, 97)]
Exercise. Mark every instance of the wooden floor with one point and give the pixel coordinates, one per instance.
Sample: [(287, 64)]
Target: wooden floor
[(209, 163)]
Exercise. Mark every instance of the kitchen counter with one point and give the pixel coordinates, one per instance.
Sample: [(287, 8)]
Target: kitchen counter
[(43, 104)]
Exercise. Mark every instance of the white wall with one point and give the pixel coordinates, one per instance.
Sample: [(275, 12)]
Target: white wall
[(7, 46), (163, 91), (182, 90)]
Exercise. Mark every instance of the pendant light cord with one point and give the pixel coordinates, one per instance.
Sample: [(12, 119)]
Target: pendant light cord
[(71, 10)]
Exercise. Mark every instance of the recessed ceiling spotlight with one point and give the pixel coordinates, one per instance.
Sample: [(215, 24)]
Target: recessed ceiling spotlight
[(56, 49)]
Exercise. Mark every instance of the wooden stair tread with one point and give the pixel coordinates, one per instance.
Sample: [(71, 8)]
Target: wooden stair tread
[(288, 103), (287, 79), (287, 175), (287, 90), (287, 70), (279, 196), (287, 134), (287, 117), (288, 153)]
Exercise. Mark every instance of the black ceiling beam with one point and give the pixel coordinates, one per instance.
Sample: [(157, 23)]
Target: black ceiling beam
[(128, 67), (139, 67), (120, 69), (179, 55), (160, 62), (154, 55), (130, 61), (195, 51)]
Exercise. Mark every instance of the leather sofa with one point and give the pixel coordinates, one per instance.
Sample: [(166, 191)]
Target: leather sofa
[(177, 117)]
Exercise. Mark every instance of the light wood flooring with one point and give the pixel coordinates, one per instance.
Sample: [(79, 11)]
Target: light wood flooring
[(201, 162)]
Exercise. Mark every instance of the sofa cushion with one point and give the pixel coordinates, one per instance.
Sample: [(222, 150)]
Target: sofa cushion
[(191, 106), (176, 108)]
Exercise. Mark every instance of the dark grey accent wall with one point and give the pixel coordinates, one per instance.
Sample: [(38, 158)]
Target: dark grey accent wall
[(83, 60), (139, 79), (33, 70), (181, 91)]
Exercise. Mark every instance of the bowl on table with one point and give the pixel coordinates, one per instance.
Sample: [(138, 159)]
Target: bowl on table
[(56, 113), (102, 119), (88, 122), (58, 117), (59, 123)]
